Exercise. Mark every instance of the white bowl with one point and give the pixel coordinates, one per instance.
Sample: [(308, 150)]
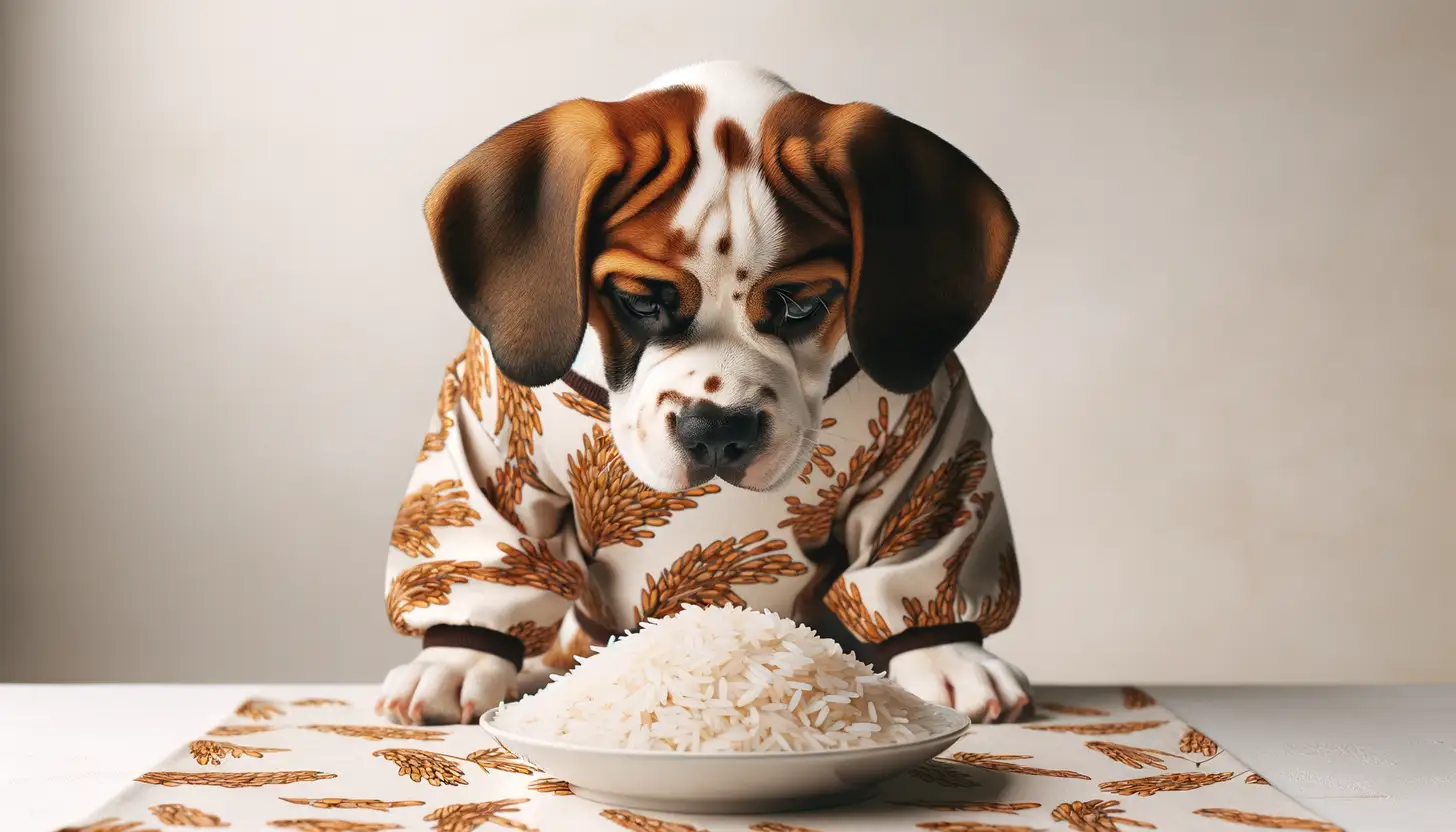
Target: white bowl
[(729, 782)]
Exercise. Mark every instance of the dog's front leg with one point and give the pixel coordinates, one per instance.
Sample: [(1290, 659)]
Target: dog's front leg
[(932, 569), (483, 562)]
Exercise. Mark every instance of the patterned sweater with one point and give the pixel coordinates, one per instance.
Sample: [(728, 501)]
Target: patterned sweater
[(520, 512)]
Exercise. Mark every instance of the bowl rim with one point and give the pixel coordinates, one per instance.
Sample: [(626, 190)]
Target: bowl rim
[(959, 721)]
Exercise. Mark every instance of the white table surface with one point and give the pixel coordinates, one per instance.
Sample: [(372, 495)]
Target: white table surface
[(1373, 759)]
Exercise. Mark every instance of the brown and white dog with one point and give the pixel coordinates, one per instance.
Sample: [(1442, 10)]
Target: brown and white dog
[(744, 256)]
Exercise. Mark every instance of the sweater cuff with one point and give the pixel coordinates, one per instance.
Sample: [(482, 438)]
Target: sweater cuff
[(916, 638), (496, 643)]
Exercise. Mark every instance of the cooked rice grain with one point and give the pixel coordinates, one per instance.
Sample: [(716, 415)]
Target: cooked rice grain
[(721, 679)]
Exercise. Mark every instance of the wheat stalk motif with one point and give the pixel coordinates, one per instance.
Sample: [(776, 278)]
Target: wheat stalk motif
[(997, 610), (612, 505), (505, 490), (466, 817), (643, 823), (425, 766), (500, 759), (211, 753), (112, 825), (319, 702), (944, 773), (258, 709), (445, 404), (1136, 698), (1177, 782), (812, 522), (999, 762), (318, 825), (971, 826), (1095, 816), (1256, 780), (533, 565), (475, 372), (175, 814), (820, 456), (968, 806), (1268, 821), (948, 604), (775, 826), (426, 584), (231, 779), (706, 575), (1098, 729), (936, 504), (444, 769), (518, 404), (444, 503), (378, 732), (537, 639), (1195, 741), (551, 785), (897, 448), (1130, 756), (352, 803), (586, 407), (845, 601)]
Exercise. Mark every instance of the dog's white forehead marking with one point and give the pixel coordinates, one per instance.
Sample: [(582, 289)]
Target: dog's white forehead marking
[(728, 208)]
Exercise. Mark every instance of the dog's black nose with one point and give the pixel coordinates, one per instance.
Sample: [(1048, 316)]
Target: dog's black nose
[(716, 438)]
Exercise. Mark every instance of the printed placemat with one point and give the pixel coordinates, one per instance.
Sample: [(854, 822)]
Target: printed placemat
[(1111, 761)]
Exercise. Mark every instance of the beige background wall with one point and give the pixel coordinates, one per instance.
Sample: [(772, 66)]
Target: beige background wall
[(1222, 368)]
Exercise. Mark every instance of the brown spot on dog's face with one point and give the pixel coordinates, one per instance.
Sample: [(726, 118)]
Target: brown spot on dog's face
[(713, 384), (732, 141), (671, 396), (768, 394), (725, 244), (742, 274)]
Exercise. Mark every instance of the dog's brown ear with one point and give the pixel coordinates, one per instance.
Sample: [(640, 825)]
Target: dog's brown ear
[(510, 225), (930, 232)]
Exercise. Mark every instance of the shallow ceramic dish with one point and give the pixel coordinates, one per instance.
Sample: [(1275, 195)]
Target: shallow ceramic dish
[(729, 782)]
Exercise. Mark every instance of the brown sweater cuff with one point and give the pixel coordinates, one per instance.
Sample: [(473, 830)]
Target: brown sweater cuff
[(917, 637), (496, 643)]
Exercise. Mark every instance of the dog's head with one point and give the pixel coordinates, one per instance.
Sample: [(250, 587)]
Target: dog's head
[(728, 240)]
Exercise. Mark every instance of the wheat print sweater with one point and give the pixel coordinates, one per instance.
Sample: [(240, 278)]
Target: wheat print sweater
[(520, 513)]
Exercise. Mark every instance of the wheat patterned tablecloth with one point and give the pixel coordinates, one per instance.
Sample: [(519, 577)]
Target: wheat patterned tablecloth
[(1111, 761)]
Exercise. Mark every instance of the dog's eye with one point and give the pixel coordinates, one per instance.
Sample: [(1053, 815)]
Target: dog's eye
[(790, 309), (797, 310), (639, 305)]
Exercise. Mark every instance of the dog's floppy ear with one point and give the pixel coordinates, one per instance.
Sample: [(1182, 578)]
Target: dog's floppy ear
[(510, 225), (930, 232)]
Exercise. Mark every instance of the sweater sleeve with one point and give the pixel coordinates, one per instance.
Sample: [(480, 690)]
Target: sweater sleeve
[(927, 536), (482, 553)]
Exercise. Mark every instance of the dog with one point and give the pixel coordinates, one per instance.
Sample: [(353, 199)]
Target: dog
[(712, 362)]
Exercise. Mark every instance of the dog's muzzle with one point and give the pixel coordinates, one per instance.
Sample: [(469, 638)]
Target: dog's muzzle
[(718, 441)]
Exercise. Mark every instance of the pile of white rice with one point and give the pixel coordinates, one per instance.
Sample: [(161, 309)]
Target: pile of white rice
[(720, 679)]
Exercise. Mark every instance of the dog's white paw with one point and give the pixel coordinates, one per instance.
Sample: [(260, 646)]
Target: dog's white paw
[(966, 677), (445, 685)]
